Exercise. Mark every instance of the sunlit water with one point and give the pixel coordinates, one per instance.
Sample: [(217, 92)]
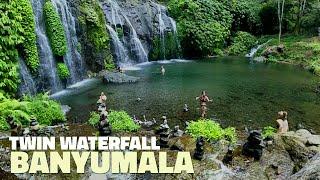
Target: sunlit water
[(244, 93)]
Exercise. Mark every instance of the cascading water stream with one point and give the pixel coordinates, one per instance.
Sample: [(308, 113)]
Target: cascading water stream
[(120, 50), (27, 84), (131, 44), (72, 59), (162, 27), (48, 78), (175, 33)]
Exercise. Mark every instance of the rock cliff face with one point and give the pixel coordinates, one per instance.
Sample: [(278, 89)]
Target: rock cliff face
[(137, 28), (98, 34)]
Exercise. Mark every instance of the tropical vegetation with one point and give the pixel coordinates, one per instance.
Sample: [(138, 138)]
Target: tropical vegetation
[(211, 130)]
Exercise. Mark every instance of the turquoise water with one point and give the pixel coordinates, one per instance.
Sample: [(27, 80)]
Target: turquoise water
[(244, 93)]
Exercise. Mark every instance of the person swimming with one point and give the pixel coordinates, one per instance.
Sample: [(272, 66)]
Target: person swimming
[(163, 71), (283, 125), (203, 103)]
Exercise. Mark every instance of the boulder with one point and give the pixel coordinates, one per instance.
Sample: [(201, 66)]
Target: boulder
[(310, 171), (298, 152), (313, 140), (117, 77), (176, 144)]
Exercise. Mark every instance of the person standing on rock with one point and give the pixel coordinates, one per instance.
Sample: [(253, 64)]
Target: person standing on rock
[(203, 103), (163, 71), (283, 125)]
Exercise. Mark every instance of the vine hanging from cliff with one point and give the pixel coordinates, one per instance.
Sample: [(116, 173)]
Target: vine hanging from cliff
[(55, 30), (93, 20), (29, 46), (11, 32)]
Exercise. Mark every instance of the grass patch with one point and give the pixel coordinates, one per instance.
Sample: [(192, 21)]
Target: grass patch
[(298, 50)]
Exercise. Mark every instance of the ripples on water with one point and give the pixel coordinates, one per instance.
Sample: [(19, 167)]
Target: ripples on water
[(244, 93)]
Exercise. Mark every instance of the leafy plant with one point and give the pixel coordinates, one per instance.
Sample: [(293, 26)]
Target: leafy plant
[(55, 30), (94, 118), (121, 121), (203, 25), (92, 20), (63, 71), (268, 132), (29, 46), (211, 130), (11, 33), (46, 111), (230, 134), (242, 43)]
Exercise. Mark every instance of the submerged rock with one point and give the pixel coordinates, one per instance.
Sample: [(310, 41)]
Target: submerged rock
[(117, 77)]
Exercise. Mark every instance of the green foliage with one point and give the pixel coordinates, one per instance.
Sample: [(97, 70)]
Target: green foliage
[(171, 47), (46, 111), (11, 33), (246, 16), (94, 118), (211, 130), (63, 71), (108, 62), (298, 50), (121, 121), (29, 46), (93, 21), (93, 17), (15, 108), (230, 135), (55, 30), (203, 25), (242, 43), (268, 132)]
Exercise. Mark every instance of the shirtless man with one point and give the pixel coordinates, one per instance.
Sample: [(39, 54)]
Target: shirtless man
[(283, 122), (163, 71), (203, 103)]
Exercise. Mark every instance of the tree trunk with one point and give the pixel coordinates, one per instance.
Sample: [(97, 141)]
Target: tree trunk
[(280, 17)]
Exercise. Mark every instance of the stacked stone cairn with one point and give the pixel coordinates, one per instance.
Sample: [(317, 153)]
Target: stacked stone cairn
[(199, 151), (254, 145), (164, 132)]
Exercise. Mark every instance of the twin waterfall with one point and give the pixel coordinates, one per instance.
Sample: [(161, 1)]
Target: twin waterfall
[(132, 28)]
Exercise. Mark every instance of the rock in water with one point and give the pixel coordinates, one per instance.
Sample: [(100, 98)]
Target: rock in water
[(254, 146), (117, 77)]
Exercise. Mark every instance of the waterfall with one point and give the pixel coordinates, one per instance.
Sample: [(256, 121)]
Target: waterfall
[(254, 50), (72, 59), (132, 44), (175, 33), (48, 78), (135, 41), (162, 27), (119, 49), (27, 84)]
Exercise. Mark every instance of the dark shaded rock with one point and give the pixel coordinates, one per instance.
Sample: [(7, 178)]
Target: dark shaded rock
[(254, 146), (116, 77), (298, 152), (199, 151), (310, 171)]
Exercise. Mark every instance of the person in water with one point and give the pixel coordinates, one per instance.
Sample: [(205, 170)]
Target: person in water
[(282, 121), (203, 103), (102, 99), (163, 71)]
